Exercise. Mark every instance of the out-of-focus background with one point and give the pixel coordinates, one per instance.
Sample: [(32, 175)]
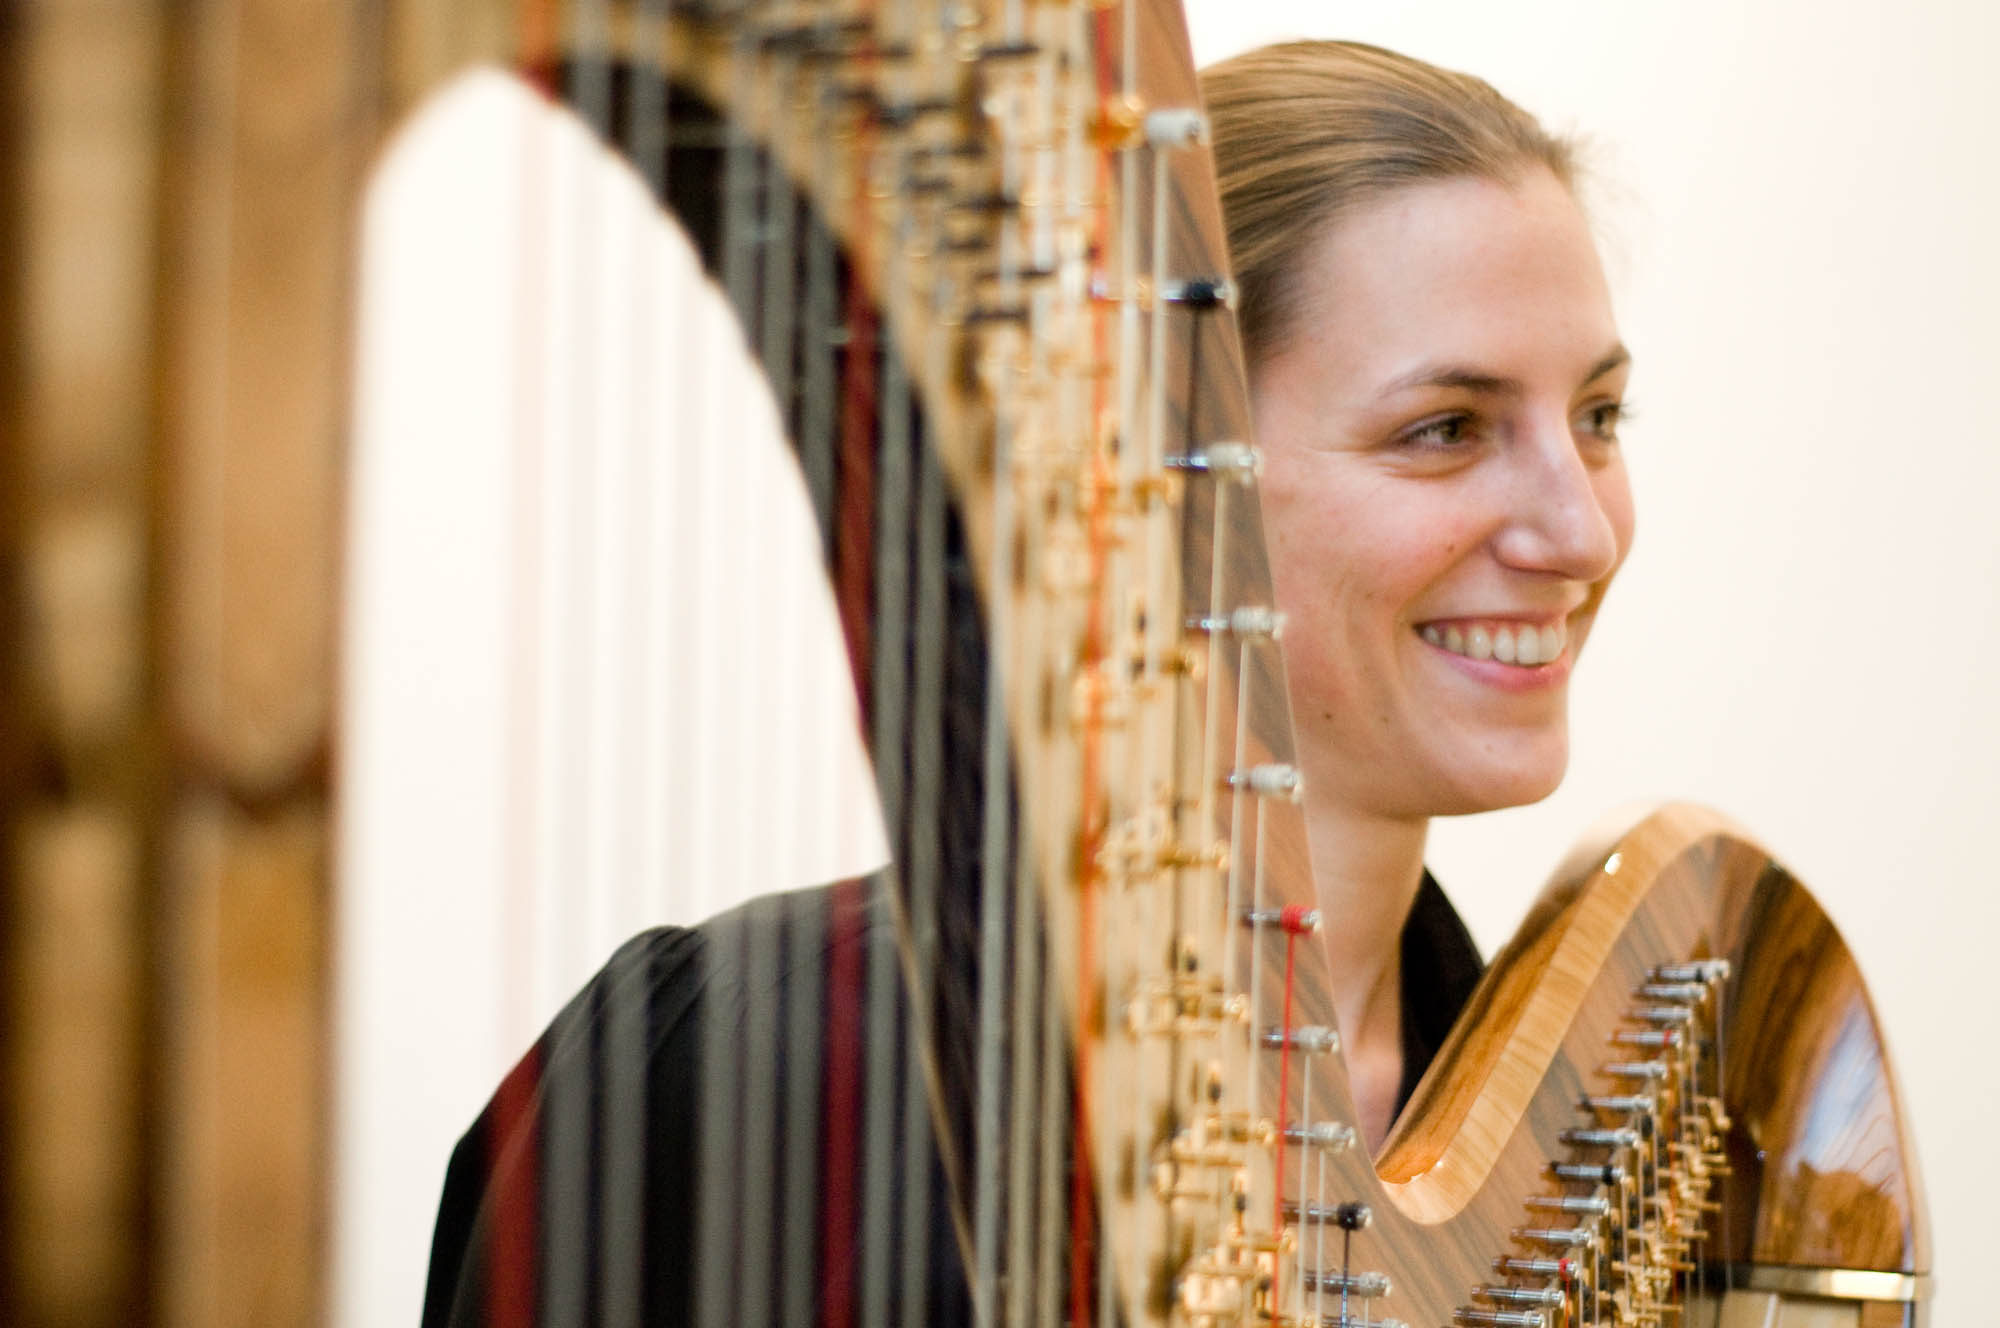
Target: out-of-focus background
[(220, 1101)]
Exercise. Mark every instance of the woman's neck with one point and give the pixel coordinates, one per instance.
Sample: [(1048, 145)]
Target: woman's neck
[(1366, 871)]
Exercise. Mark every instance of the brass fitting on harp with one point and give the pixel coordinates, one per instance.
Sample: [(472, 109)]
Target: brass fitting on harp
[(1119, 123), (1184, 661), (1183, 1007), (1098, 700), (1141, 496), (1195, 857)]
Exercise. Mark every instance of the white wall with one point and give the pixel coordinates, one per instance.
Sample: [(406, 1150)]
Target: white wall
[(562, 721), (1800, 207)]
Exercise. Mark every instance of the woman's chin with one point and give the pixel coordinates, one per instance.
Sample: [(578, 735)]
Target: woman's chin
[(1467, 774), (1495, 784)]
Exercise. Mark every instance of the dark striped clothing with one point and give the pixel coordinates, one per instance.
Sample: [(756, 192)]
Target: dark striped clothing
[(573, 1200)]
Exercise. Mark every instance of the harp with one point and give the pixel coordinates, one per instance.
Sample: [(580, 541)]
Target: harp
[(1621, 1125)]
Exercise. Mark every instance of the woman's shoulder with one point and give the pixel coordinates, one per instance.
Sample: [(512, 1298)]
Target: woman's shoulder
[(639, 1032), (720, 967)]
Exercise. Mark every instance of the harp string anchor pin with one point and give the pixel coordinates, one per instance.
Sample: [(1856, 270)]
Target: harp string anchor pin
[(1702, 970), (1469, 1317), (1551, 1297), (1224, 460), (1312, 1039), (1175, 127), (1329, 1135), (1587, 1172), (1635, 1070), (1566, 1269), (1271, 780), (1619, 1138), (1344, 1216), (1591, 1205), (1293, 919), (1362, 1285), (1251, 622), (1200, 294)]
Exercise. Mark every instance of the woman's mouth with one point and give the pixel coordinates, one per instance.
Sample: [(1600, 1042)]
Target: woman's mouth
[(1521, 644)]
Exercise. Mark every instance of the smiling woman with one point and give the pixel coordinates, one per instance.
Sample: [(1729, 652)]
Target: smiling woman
[(1436, 380)]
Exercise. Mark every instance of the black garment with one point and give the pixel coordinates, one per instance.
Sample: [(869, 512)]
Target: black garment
[(1441, 966), (532, 1177)]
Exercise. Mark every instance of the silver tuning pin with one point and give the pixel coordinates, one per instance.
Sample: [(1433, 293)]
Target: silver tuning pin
[(1231, 461), (1249, 621), (1271, 780), (1176, 127)]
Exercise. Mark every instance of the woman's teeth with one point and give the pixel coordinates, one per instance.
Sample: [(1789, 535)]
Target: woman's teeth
[(1522, 645)]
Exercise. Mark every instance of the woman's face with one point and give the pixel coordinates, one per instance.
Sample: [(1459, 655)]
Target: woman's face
[(1444, 495)]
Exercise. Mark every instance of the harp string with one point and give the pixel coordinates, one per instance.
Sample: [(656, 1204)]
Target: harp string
[(787, 341), (568, 438), (1041, 113), (784, 967), (581, 1284), (993, 884), (996, 868), (890, 719), (628, 105), (728, 1209), (1046, 1087), (749, 214), (513, 1270), (636, 857), (923, 875), (1089, 1257)]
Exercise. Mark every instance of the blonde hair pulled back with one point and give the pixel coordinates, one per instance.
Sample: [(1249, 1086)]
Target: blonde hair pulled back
[(1307, 131)]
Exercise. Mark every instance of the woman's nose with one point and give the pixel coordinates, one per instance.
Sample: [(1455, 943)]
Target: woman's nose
[(1567, 513)]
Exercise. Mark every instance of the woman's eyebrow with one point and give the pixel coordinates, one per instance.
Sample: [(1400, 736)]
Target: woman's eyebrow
[(1488, 384), (1468, 380), (1618, 357)]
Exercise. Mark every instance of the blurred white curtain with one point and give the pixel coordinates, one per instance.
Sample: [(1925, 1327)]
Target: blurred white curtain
[(593, 680)]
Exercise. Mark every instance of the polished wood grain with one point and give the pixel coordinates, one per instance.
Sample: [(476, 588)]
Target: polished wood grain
[(1826, 1174)]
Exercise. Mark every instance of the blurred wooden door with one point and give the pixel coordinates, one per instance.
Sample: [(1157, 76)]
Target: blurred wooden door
[(177, 212)]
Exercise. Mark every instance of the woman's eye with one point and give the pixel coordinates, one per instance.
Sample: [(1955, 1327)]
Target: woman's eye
[(1602, 420), (1442, 434)]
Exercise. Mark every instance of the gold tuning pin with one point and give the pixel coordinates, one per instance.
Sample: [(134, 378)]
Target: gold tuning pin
[(1119, 123), (1195, 857)]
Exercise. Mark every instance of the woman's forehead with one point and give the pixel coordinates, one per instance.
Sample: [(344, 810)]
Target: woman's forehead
[(1489, 277)]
